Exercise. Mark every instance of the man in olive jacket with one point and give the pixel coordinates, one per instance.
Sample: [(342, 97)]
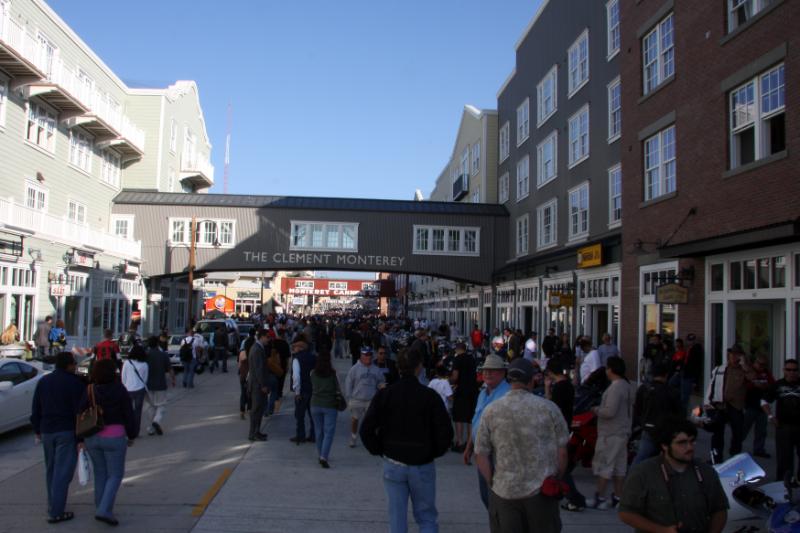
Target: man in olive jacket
[(408, 425), (257, 377)]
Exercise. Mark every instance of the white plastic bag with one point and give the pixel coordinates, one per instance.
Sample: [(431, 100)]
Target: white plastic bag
[(84, 468)]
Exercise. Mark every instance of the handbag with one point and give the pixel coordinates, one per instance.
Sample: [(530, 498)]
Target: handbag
[(274, 363), (341, 403), (90, 420), (554, 488)]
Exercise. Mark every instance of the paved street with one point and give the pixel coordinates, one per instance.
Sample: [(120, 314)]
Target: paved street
[(274, 486)]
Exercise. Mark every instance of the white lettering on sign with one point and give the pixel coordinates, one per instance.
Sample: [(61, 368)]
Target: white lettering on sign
[(324, 259)]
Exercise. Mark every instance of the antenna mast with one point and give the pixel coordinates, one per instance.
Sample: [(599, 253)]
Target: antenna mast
[(227, 148)]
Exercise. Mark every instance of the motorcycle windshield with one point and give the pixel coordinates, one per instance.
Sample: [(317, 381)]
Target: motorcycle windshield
[(743, 463)]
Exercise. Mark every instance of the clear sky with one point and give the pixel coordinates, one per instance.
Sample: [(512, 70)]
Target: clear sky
[(351, 98)]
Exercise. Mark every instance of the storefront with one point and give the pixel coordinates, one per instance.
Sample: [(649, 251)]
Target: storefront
[(19, 288), (599, 302), (247, 302), (528, 305), (505, 306), (559, 303), (656, 317)]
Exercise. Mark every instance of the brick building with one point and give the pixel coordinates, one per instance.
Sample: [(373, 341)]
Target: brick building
[(711, 193)]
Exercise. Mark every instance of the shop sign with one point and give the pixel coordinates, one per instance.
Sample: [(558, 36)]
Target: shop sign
[(672, 293), (81, 259), (155, 297), (130, 269), (221, 303), (298, 300), (249, 294), (590, 256), (60, 289), (560, 299)]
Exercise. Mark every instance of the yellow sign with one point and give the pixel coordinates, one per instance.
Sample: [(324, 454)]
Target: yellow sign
[(590, 256), (672, 293), (560, 299)]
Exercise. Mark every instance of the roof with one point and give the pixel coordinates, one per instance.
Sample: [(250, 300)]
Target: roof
[(306, 202)]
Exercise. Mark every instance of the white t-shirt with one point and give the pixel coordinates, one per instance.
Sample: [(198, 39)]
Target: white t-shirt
[(443, 388), (130, 379), (591, 362), (530, 350)]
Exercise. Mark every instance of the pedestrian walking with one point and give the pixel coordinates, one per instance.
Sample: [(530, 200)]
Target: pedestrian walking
[(655, 402), (590, 359), (257, 379), (219, 345), (56, 401), (607, 349), (158, 369), (134, 378), (409, 427), (41, 337), (244, 370), (57, 337), (441, 384), (362, 383), (674, 491), (531, 351), (386, 365), (107, 349), (191, 352), (303, 363), (754, 417), (325, 391), (284, 351), (107, 449), (526, 437), (465, 395), (786, 394)]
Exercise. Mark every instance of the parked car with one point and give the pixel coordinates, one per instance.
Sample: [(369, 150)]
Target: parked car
[(18, 381), (205, 327), (173, 350)]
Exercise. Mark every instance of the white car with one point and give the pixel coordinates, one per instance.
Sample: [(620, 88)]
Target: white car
[(174, 350), (18, 380)]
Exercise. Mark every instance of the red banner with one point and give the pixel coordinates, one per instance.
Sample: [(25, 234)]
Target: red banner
[(221, 303)]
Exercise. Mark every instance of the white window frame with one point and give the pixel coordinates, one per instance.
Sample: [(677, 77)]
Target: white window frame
[(304, 284), (578, 211), (476, 157), (503, 188), (523, 178), (523, 121), (173, 136), (337, 285), (463, 169), (523, 235), (476, 196), (662, 60), (753, 115), (612, 27), (614, 111), (657, 182), (576, 128), (76, 212), (429, 248), (505, 141), (549, 240), (128, 219), (308, 233), (41, 126), (614, 220), (111, 168), (542, 112), (542, 178), (81, 150), (755, 6), (41, 197), (578, 64), (206, 237)]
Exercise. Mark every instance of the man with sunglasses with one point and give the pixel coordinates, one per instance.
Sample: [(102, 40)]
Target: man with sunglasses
[(786, 395)]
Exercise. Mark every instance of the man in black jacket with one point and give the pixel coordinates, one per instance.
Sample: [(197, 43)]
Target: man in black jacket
[(408, 425), (655, 402)]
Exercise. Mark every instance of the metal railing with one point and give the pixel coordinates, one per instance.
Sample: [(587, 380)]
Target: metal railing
[(199, 165)]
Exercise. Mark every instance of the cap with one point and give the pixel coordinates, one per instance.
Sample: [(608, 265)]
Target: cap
[(366, 350), (493, 362), (520, 370), (736, 349)]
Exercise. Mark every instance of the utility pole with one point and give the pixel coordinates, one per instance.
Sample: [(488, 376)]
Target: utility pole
[(190, 307)]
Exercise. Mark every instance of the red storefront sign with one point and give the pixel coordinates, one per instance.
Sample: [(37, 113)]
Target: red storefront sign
[(221, 303), (337, 287)]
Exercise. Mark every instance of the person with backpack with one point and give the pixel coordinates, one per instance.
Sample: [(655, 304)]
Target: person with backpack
[(134, 377), (655, 402), (219, 346), (190, 351), (57, 337), (106, 349)]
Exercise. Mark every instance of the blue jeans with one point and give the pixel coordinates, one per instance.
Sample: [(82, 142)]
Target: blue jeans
[(60, 458), (647, 448), (138, 404), (325, 427), (188, 373), (755, 416), (418, 482), (108, 462)]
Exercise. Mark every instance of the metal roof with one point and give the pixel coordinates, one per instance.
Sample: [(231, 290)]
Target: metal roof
[(307, 202)]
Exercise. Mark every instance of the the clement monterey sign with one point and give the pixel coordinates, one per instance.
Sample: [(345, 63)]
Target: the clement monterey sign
[(324, 259)]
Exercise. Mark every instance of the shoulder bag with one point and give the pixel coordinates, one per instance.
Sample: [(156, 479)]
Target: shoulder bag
[(341, 403), (90, 420), (274, 363)]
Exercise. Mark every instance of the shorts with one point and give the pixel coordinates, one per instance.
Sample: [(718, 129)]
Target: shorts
[(610, 456), (464, 406), (358, 408)]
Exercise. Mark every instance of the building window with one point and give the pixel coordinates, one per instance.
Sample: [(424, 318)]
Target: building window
[(615, 194), (523, 178), (522, 235), (547, 96), (505, 140), (579, 211), (111, 168), (578, 59), (614, 110), (579, 136), (80, 150), (658, 54), (337, 285), (35, 197), (503, 193), (659, 164), (758, 124), (761, 273), (189, 156), (173, 136), (41, 126), (122, 226), (464, 169), (741, 11), (523, 123), (476, 196), (173, 179), (546, 220), (322, 236), (612, 21), (208, 233), (76, 212), (476, 158), (443, 240), (546, 159)]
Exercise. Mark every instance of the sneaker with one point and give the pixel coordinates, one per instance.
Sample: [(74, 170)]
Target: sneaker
[(151, 431), (598, 503), (324, 463), (158, 429), (352, 441), (614, 500)]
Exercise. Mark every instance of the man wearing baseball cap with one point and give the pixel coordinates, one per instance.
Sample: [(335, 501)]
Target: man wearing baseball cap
[(363, 381), (527, 437)]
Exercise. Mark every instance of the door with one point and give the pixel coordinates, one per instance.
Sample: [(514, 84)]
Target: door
[(527, 323), (760, 329), (600, 323)]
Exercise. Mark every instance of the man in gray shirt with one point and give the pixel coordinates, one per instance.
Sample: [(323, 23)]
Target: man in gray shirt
[(158, 367), (607, 349), (363, 381)]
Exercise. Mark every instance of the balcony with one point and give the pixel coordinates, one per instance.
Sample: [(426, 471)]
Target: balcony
[(17, 48), (460, 187), (60, 230), (197, 171)]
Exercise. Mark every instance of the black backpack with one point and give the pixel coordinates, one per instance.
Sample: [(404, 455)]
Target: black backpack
[(186, 351)]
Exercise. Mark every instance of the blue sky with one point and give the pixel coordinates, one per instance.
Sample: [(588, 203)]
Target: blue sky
[(350, 98)]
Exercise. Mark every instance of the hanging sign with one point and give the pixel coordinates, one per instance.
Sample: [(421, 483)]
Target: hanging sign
[(221, 303), (590, 256), (672, 293), (60, 289)]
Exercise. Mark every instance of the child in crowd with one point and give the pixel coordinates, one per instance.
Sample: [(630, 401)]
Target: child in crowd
[(441, 384)]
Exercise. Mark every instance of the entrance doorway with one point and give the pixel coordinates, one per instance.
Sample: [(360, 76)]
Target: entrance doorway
[(760, 329), (527, 320), (599, 323)]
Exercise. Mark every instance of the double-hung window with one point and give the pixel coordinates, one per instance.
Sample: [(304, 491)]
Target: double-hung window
[(614, 110), (122, 226), (523, 178), (547, 159), (80, 150), (111, 168), (476, 158), (503, 188), (522, 235), (444, 240), (322, 236), (41, 129), (546, 222), (757, 118), (612, 22), (505, 141), (35, 197), (578, 63), (741, 11), (579, 136), (208, 233), (464, 169), (659, 164), (547, 99), (579, 211), (615, 195), (523, 121), (76, 212), (658, 54), (173, 135)]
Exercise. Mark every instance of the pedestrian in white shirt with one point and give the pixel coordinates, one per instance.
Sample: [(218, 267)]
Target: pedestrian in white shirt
[(134, 378), (441, 384), (531, 352), (591, 359)]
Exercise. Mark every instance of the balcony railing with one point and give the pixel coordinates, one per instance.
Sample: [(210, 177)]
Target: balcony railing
[(198, 166), (460, 187), (58, 72), (65, 231)]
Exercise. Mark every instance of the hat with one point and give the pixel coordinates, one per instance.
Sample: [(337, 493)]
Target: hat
[(520, 370), (736, 349), (493, 362), (366, 350)]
